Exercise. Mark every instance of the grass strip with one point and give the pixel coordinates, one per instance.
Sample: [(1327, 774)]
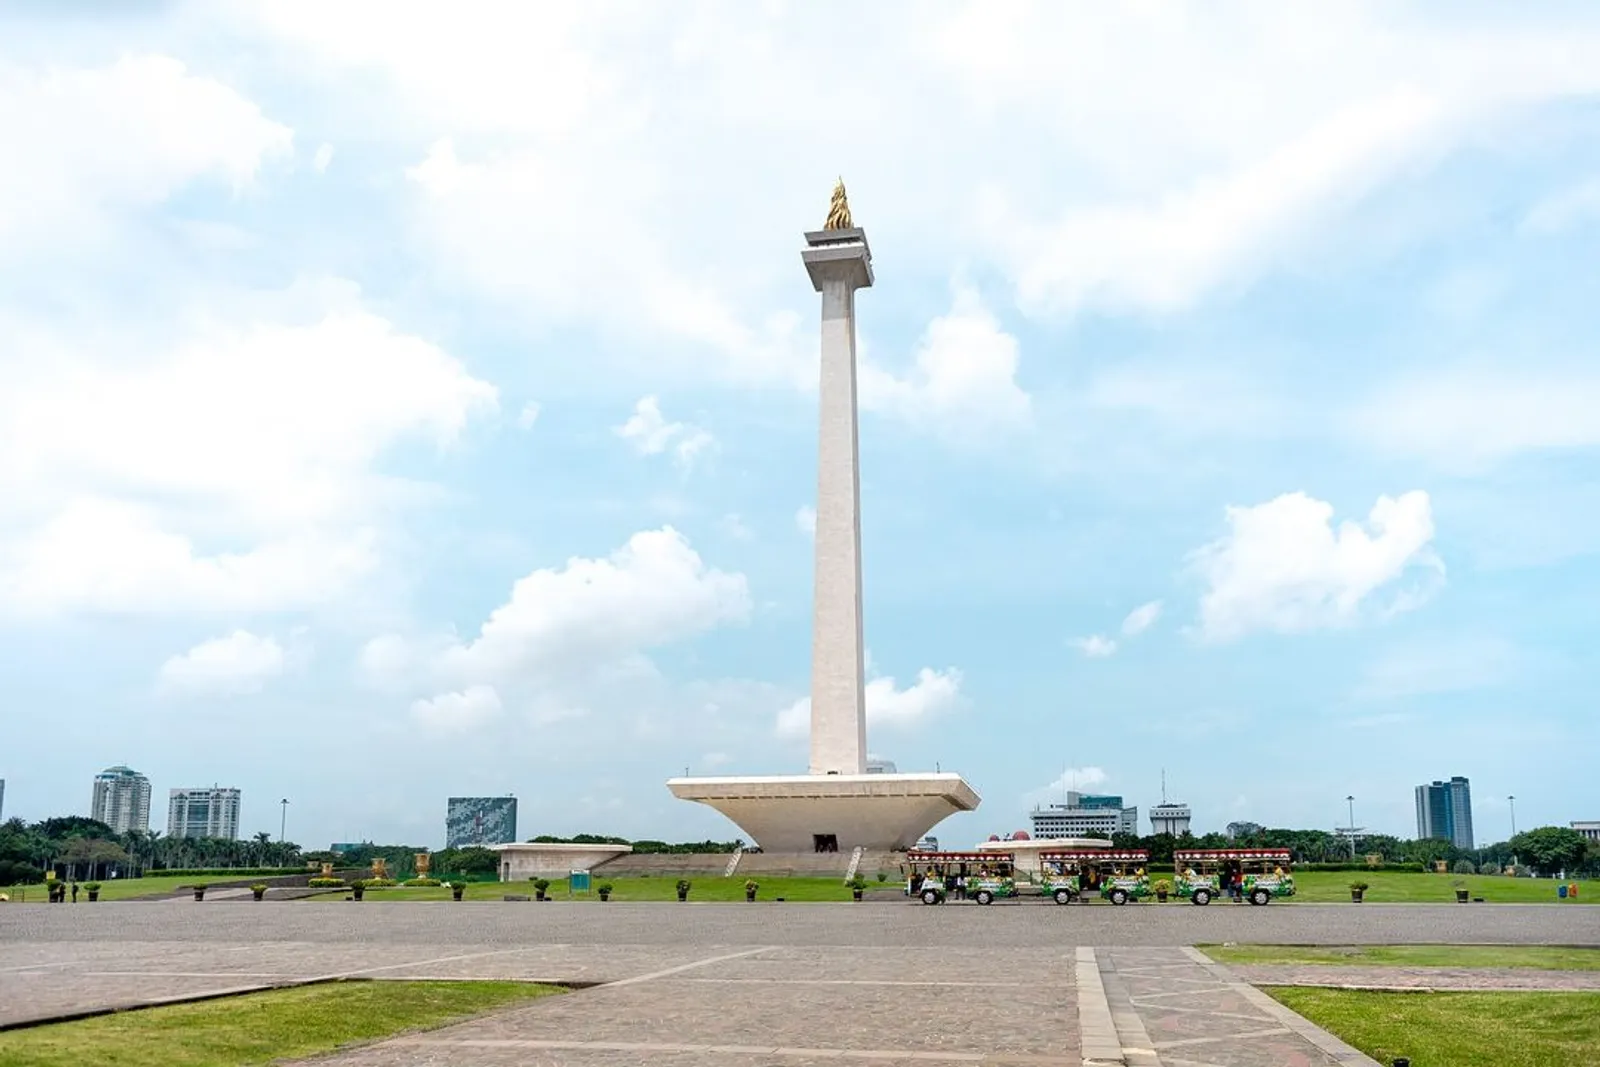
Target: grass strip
[(260, 1028), (1457, 1029)]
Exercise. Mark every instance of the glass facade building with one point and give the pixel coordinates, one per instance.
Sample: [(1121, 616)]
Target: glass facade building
[(1444, 811)]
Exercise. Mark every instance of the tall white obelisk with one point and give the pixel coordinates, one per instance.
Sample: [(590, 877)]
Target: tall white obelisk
[(837, 806), (839, 262)]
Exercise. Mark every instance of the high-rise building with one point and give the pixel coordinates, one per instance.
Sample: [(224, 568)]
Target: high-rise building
[(480, 821), (1444, 811), (121, 799), (212, 812), (1085, 815), (1170, 819)]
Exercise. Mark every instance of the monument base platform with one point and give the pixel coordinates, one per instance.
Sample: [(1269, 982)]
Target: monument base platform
[(820, 812)]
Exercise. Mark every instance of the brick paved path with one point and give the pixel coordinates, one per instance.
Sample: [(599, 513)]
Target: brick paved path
[(1176, 1008), (1466, 979)]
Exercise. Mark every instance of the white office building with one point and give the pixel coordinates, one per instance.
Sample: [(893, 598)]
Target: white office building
[(1589, 829), (1085, 815), (1170, 819), (212, 812), (121, 799)]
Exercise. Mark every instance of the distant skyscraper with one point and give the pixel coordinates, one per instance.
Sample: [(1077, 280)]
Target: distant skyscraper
[(1169, 819), (480, 821), (212, 812), (1444, 811), (879, 765), (121, 799)]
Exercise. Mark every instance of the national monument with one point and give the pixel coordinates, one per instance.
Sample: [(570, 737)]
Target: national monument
[(838, 805)]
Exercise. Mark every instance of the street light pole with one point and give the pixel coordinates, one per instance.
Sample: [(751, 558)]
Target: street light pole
[(1351, 800), (283, 820), (1513, 802)]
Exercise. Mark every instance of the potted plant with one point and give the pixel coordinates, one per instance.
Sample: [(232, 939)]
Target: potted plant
[(258, 890), (1357, 891), (604, 889), (456, 889), (1163, 889), (683, 888), (358, 888), (540, 885), (858, 886), (93, 889), (199, 890), (1461, 891), (750, 888)]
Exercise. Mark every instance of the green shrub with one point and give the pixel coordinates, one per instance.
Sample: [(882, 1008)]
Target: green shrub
[(857, 882), (422, 883), (883, 876), (378, 883), (605, 887), (259, 887), (684, 885), (326, 883), (541, 884), (91, 887), (1465, 867)]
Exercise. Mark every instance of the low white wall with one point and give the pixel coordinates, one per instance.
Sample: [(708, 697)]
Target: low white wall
[(520, 862)]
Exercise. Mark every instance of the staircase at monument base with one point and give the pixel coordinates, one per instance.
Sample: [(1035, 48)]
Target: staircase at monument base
[(855, 863), (733, 863)]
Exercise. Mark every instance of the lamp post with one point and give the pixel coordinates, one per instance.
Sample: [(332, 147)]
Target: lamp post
[(1513, 802), (283, 819), (1351, 800)]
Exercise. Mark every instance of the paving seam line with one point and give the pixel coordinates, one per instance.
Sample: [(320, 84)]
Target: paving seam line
[(646, 1047), (1097, 1031), (1341, 1052), (668, 972), (1137, 1047)]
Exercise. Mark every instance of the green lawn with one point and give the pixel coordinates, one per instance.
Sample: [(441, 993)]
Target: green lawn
[(261, 1027), (1532, 957), (1457, 1029), (704, 888), (117, 888), (1408, 887)]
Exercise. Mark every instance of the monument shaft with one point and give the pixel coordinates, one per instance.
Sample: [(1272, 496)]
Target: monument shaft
[(838, 695)]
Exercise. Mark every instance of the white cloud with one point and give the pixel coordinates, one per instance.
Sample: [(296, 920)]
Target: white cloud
[(1141, 619), (1163, 255), (118, 506), (736, 528), (458, 712), (1094, 646), (1284, 567), (324, 156), (651, 434), (241, 662), (934, 693), (83, 144), (1073, 778), (963, 383), (528, 415), (1471, 417), (805, 520), (563, 626)]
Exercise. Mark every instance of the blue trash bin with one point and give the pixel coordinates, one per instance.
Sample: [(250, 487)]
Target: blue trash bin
[(1561, 892)]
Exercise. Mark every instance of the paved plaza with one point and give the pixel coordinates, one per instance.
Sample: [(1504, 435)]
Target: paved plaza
[(719, 985)]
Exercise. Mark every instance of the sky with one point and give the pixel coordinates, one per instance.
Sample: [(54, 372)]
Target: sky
[(402, 401)]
